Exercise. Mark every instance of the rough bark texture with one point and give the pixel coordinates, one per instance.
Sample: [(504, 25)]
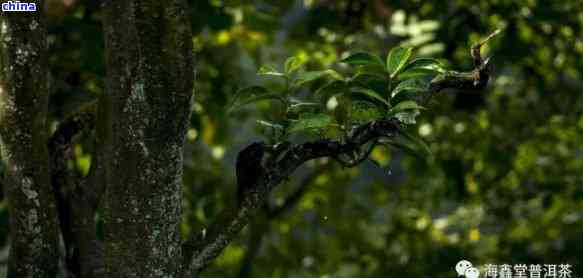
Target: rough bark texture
[(145, 111), (23, 109)]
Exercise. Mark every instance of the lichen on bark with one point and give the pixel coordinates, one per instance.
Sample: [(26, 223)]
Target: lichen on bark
[(147, 107), (23, 133)]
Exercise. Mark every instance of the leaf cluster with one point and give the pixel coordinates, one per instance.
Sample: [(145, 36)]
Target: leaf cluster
[(366, 89)]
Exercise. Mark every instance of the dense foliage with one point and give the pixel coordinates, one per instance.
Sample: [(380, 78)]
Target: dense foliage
[(502, 183), (375, 90)]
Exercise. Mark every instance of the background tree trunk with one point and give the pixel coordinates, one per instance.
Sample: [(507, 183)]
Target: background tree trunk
[(146, 111), (23, 131)]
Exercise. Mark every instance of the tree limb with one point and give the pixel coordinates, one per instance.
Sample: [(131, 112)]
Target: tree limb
[(476, 79), (214, 239), (75, 208), (83, 118)]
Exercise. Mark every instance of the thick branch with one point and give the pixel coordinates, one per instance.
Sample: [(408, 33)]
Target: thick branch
[(260, 228), (214, 239), (476, 79), (60, 143), (82, 119), (75, 208)]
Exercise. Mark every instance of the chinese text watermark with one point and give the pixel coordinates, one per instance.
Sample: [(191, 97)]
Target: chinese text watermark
[(465, 269)]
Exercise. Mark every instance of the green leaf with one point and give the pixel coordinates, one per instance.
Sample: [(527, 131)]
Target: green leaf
[(310, 76), (303, 107), (250, 95), (397, 59), (333, 131), (429, 64), (407, 117), (333, 88), (370, 81), (371, 94), (418, 72), (311, 122), (363, 59), (363, 111), (405, 106), (403, 96), (406, 111), (269, 124), (267, 70), (292, 64), (373, 69), (270, 130), (417, 84), (422, 67)]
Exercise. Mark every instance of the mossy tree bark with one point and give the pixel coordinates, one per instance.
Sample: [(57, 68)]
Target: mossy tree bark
[(144, 118), (23, 132)]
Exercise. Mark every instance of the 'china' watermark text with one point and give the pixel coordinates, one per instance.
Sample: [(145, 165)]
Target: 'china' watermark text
[(17, 6)]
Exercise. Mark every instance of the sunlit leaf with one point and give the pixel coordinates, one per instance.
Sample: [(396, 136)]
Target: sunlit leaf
[(408, 116), (304, 107), (250, 95), (311, 122), (380, 157), (416, 84), (397, 59), (430, 64), (333, 131), (363, 111), (405, 106), (416, 72), (310, 76), (372, 69), (363, 59), (372, 94), (267, 70), (422, 67), (270, 130), (406, 111), (404, 96), (292, 64)]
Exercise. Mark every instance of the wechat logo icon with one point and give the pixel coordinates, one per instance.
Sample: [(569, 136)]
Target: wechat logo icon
[(464, 268)]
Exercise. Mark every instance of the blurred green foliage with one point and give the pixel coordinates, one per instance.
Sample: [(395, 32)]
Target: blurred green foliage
[(504, 184)]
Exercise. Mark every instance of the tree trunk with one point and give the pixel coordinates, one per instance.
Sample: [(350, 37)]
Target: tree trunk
[(23, 132), (146, 111)]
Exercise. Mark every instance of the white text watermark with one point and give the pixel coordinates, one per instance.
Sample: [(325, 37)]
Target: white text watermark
[(17, 6), (465, 269)]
